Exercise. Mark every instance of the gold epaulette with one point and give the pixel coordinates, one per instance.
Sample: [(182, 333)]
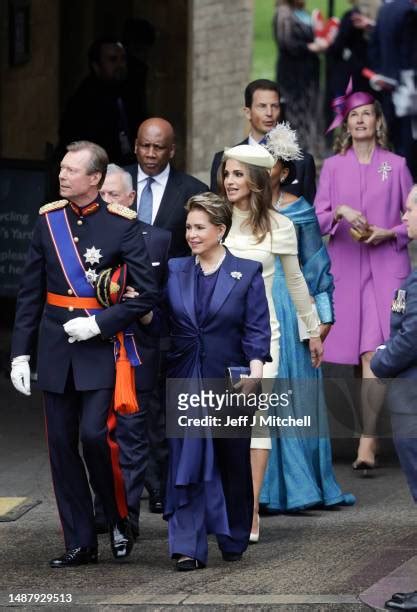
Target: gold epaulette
[(122, 211), (46, 208)]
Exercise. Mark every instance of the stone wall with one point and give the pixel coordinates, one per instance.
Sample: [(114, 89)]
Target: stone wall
[(219, 62)]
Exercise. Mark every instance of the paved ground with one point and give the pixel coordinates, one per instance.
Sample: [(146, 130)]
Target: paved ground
[(317, 560)]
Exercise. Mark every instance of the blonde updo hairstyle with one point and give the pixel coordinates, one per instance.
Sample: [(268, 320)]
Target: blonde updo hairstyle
[(343, 140)]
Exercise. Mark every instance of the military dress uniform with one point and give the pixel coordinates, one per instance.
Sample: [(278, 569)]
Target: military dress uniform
[(398, 360), (78, 378)]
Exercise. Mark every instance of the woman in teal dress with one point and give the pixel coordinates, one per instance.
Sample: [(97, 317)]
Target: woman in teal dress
[(300, 473)]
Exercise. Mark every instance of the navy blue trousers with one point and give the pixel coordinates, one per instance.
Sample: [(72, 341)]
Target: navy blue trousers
[(86, 416), (404, 427), (187, 526), (132, 438)]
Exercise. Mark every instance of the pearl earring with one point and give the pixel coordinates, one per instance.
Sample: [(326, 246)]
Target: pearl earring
[(219, 239), (282, 179)]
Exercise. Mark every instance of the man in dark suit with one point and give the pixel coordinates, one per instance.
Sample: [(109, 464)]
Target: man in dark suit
[(105, 108), (263, 111), (397, 359), (74, 241), (136, 432), (162, 191), (161, 195)]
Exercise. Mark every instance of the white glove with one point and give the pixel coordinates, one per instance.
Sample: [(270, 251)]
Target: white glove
[(20, 374), (81, 328)]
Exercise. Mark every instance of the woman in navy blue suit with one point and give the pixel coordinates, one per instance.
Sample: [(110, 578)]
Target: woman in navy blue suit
[(218, 318)]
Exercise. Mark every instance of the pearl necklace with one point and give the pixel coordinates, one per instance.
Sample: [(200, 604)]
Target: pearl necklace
[(211, 269)]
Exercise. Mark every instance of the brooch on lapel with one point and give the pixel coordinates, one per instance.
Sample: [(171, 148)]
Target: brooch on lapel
[(384, 169), (399, 302), (236, 275)]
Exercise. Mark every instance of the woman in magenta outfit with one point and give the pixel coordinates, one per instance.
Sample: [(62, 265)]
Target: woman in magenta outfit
[(362, 190)]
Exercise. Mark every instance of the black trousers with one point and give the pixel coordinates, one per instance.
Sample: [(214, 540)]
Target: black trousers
[(87, 416)]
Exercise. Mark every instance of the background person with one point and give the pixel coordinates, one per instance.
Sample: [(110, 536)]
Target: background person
[(298, 70), (162, 191), (263, 111), (397, 359), (260, 233), (104, 109), (365, 269), (300, 472), (141, 437)]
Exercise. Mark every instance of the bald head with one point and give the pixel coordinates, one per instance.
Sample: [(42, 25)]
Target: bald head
[(154, 145)]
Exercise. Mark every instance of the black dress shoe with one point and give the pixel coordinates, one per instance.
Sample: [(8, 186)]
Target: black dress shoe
[(75, 556), (188, 565), (403, 601), (121, 539), (402, 596), (231, 556), (156, 505)]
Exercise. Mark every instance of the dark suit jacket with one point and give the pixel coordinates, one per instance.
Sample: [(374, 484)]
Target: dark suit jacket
[(171, 214), (399, 359), (305, 184), (119, 241), (157, 242)]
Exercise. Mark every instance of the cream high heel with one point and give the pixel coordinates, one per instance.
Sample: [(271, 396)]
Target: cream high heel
[(254, 535)]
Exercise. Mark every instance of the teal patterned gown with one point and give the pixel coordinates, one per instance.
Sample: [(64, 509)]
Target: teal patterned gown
[(300, 473)]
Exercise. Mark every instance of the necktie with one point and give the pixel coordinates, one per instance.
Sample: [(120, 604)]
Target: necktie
[(263, 141), (146, 202)]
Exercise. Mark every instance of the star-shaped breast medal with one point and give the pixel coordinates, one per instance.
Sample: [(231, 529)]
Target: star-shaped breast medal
[(93, 255), (91, 275)]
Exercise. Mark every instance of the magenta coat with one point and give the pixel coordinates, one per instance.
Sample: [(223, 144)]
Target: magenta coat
[(379, 190)]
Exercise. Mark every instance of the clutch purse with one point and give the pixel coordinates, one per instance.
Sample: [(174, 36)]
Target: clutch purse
[(302, 329), (234, 374), (358, 235)]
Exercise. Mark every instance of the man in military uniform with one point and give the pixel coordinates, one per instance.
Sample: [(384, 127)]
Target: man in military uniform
[(397, 359), (74, 240)]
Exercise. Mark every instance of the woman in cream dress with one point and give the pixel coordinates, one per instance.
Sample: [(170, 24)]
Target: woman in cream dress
[(260, 233)]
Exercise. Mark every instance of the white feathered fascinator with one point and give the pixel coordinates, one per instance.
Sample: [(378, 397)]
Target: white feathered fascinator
[(282, 143)]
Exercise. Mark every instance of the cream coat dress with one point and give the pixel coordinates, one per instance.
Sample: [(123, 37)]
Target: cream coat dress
[(280, 242)]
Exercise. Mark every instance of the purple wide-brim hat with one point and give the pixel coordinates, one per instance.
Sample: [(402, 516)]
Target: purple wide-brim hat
[(344, 104)]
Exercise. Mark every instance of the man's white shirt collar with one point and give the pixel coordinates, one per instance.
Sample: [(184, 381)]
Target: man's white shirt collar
[(252, 141), (160, 178)]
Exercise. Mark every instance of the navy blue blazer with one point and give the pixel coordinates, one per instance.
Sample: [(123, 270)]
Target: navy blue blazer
[(399, 358), (171, 214), (119, 240), (236, 328), (157, 242), (304, 184)]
